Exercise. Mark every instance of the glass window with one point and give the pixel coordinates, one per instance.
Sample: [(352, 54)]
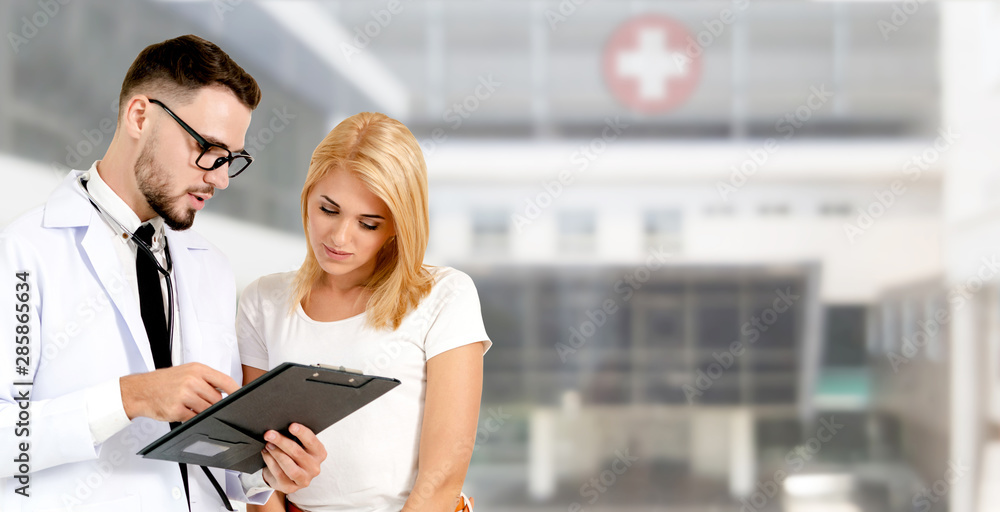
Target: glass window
[(490, 232), (577, 232), (664, 228)]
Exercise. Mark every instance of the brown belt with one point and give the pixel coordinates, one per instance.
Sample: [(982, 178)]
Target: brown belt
[(462, 506), (465, 504)]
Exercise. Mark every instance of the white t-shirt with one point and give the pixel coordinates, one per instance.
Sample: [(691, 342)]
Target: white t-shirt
[(372, 454)]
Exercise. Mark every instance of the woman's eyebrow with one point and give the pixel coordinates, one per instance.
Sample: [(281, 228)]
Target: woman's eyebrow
[(368, 215)]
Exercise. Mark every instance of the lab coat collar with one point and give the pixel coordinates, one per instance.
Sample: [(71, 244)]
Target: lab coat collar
[(185, 264), (69, 207)]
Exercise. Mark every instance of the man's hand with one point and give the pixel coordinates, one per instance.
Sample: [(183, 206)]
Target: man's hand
[(174, 394), (291, 467)]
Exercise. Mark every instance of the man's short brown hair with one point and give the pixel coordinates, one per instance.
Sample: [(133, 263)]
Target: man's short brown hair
[(181, 66)]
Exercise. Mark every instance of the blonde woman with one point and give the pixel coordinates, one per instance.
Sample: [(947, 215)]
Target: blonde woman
[(364, 299)]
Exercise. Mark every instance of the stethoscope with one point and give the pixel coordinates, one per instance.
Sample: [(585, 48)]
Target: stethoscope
[(141, 245), (170, 300)]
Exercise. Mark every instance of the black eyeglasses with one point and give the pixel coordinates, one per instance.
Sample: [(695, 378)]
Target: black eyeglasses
[(212, 155)]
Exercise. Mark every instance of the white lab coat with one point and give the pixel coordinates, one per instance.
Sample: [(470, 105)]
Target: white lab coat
[(85, 329)]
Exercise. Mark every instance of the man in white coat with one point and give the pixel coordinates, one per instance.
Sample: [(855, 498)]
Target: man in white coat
[(96, 360)]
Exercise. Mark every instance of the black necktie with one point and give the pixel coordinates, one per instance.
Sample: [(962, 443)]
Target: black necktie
[(151, 300), (154, 320), (153, 317)]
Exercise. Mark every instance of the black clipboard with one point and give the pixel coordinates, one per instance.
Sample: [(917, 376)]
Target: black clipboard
[(230, 433)]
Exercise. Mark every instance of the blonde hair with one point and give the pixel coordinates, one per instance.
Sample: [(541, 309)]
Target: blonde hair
[(384, 155)]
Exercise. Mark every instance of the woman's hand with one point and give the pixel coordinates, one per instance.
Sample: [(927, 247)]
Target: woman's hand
[(289, 466)]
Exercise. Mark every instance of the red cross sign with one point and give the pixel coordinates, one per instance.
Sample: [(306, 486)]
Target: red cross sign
[(648, 66)]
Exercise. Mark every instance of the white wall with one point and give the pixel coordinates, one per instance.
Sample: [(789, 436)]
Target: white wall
[(970, 74)]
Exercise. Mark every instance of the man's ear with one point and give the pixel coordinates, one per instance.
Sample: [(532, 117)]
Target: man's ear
[(135, 118)]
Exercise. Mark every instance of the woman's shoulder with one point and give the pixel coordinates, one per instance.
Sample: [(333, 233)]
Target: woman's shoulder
[(449, 281), (445, 275), (272, 286)]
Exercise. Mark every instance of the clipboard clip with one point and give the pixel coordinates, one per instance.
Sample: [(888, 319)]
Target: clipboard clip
[(339, 368)]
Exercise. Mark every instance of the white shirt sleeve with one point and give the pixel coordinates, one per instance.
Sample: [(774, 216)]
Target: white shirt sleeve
[(458, 319), (253, 349), (105, 410), (253, 484)]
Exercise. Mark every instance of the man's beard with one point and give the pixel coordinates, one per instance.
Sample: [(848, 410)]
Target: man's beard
[(153, 182)]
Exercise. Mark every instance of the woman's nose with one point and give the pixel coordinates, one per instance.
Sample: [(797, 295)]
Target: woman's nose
[(340, 232)]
